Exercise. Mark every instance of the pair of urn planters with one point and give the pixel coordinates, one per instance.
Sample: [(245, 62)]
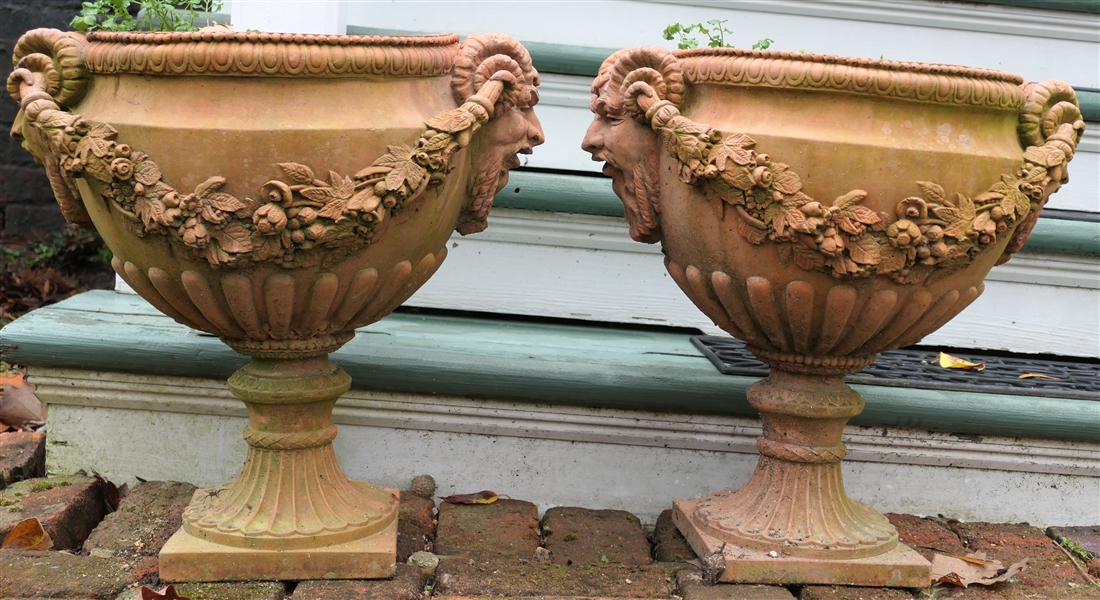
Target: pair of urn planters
[(281, 190)]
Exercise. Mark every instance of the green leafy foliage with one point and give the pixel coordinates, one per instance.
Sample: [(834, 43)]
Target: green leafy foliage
[(152, 15), (714, 29)]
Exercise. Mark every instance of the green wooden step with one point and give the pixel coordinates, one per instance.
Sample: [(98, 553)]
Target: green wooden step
[(500, 358)]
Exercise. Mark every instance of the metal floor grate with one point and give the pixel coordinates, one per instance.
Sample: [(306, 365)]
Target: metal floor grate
[(919, 369)]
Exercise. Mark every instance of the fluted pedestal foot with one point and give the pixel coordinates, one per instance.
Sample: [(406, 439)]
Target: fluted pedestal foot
[(899, 567), (187, 557), (292, 514), (793, 522)]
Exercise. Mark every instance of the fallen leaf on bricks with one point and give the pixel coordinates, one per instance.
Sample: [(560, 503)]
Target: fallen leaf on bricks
[(27, 535), (482, 497), (168, 593), (951, 362), (18, 404), (1039, 376), (971, 569)]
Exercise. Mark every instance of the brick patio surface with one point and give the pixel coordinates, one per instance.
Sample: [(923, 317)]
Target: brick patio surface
[(499, 550)]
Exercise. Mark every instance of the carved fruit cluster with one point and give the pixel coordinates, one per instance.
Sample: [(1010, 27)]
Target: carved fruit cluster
[(932, 233), (288, 218)]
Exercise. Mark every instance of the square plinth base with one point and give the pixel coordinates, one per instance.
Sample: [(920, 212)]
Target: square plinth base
[(188, 558), (901, 567)]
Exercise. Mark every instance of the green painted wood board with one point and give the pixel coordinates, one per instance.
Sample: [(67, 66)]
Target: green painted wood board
[(572, 364)]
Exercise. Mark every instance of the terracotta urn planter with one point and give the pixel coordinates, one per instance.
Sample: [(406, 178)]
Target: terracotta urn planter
[(277, 191), (822, 209)]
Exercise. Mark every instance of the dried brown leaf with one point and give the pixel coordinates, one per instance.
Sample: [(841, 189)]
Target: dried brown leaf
[(27, 534), (482, 497)]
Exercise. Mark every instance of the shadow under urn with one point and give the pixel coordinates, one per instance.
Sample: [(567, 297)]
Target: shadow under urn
[(278, 191), (822, 209)]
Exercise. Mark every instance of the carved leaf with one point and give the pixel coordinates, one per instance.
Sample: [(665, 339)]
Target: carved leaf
[(786, 182), (750, 233), (1044, 155), (143, 208), (932, 191), (785, 253), (344, 186), (298, 173), (451, 121), (266, 247), (333, 209), (99, 170), (739, 177), (147, 173), (732, 146), (1008, 206), (234, 238), (795, 218), (102, 130), (863, 215), (806, 257), (209, 186), (95, 145), (405, 171), (1021, 202), (983, 223), (437, 142), (849, 225), (226, 202), (1035, 175), (850, 200), (864, 250), (891, 259)]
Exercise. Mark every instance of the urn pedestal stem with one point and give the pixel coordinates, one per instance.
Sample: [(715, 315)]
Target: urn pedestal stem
[(292, 511), (793, 520)]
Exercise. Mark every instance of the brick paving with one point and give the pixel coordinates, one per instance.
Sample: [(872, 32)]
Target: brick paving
[(22, 456), (69, 507), (495, 550)]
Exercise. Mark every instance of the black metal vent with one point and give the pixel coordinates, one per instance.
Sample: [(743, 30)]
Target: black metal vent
[(916, 368)]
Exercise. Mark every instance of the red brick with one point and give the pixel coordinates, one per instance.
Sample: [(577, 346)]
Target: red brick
[(144, 521), (847, 592), (48, 574), (517, 578), (22, 456), (584, 536), (669, 544), (69, 507), (505, 528), (926, 536), (405, 585), (692, 587)]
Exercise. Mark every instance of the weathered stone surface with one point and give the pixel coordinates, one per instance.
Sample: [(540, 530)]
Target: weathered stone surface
[(518, 578), (584, 536), (49, 574), (692, 587), (22, 456), (240, 590), (69, 507), (405, 585), (842, 592), (144, 521), (505, 528), (668, 543)]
